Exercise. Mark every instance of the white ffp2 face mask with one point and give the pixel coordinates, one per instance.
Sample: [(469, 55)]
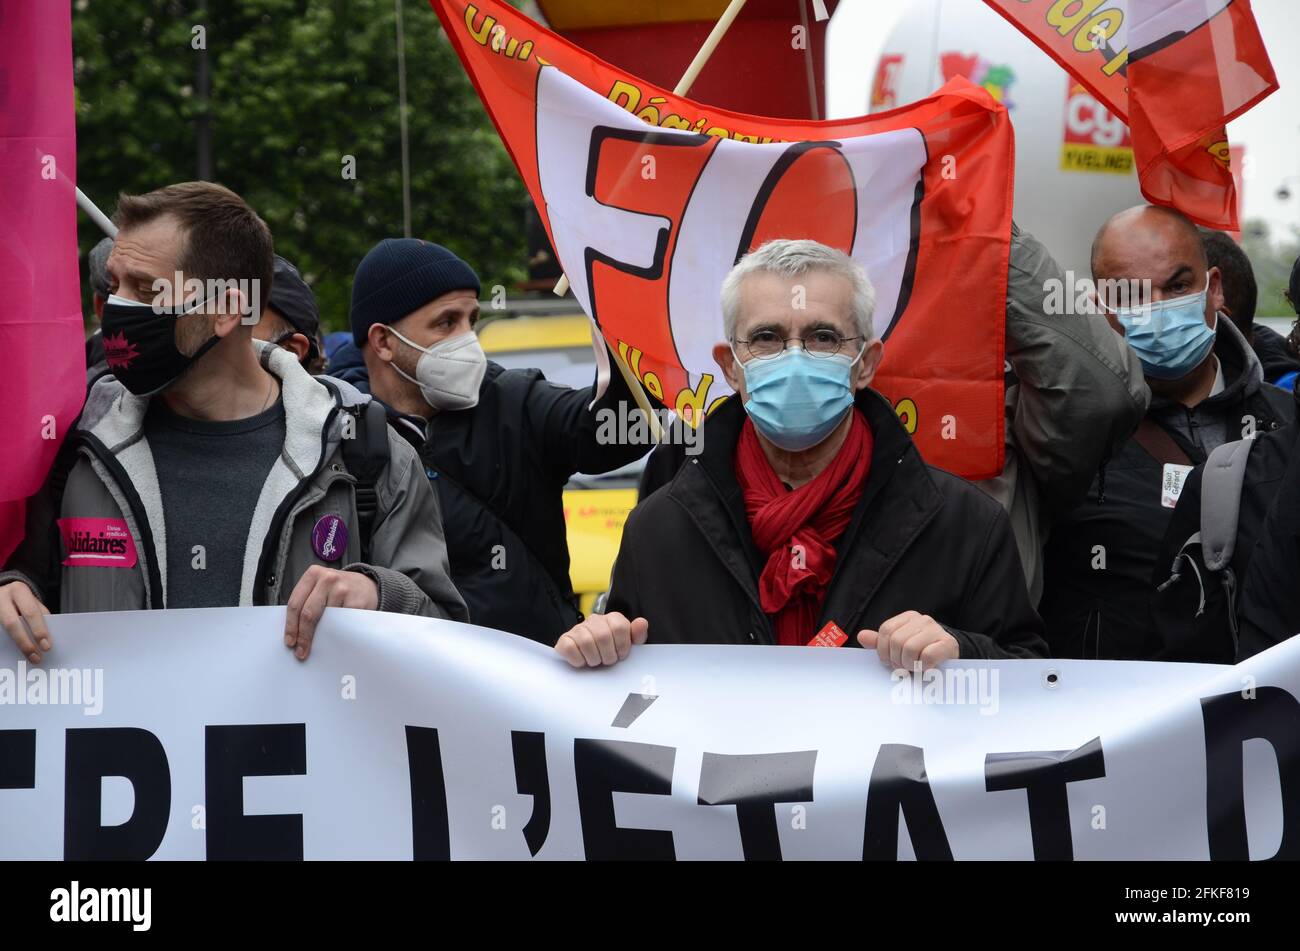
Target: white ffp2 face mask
[(449, 372)]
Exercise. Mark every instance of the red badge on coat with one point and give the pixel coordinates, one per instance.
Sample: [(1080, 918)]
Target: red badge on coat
[(829, 636)]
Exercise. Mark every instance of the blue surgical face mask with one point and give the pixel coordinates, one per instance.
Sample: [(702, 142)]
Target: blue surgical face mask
[(797, 400), (1171, 336)]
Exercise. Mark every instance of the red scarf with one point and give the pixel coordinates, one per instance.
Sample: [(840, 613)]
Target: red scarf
[(791, 588)]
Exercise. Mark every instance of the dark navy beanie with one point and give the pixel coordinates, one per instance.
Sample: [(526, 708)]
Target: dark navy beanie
[(401, 275)]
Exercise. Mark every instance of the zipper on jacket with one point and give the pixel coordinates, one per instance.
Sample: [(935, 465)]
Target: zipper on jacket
[(265, 581)]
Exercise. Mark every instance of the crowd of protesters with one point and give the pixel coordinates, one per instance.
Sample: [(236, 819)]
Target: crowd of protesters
[(1148, 508)]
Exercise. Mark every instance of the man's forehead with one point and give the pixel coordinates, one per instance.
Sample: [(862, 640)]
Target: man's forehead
[(452, 303), (1150, 248), (146, 246), (817, 294)]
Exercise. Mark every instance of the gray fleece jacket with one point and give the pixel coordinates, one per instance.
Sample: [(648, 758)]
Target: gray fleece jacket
[(113, 483), (1078, 394)]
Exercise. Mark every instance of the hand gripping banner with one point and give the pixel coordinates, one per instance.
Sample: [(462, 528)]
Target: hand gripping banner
[(650, 198)]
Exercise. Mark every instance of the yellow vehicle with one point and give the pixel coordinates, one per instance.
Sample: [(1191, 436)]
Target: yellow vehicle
[(595, 506)]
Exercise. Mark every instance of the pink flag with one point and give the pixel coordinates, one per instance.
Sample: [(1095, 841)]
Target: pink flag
[(42, 355)]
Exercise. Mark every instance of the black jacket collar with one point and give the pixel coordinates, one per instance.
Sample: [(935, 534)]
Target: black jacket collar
[(900, 497)]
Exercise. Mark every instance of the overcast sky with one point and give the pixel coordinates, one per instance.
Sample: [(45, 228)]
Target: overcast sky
[(1270, 131)]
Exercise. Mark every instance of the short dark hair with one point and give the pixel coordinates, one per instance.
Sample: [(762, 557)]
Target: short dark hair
[(277, 322), (224, 237), (1240, 292)]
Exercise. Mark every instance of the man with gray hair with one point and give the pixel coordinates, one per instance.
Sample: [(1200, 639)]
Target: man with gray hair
[(810, 516)]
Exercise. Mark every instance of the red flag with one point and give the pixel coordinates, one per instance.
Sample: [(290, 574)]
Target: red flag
[(41, 332), (1177, 71), (650, 198)]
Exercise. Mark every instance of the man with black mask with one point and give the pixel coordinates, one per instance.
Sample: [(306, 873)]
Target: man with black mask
[(194, 411)]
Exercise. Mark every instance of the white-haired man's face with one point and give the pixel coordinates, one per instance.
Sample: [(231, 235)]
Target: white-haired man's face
[(816, 307)]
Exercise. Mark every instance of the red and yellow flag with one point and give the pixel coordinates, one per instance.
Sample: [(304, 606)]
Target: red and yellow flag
[(650, 198), (1177, 71)]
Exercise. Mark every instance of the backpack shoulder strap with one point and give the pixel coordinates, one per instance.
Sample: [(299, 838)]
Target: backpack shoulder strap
[(1221, 482), (365, 455), (1159, 445)]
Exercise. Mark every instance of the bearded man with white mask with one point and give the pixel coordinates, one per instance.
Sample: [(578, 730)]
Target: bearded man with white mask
[(499, 445)]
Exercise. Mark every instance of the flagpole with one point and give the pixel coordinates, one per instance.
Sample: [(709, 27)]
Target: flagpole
[(715, 37), (814, 109), (562, 285), (95, 215), (688, 79), (401, 113)]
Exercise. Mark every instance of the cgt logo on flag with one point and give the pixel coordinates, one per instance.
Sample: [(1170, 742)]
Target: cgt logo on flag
[(1095, 139), (649, 199)]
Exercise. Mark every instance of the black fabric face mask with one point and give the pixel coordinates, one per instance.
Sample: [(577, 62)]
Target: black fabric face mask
[(140, 344)]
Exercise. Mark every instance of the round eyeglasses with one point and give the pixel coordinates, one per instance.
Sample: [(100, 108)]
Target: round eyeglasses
[(766, 344)]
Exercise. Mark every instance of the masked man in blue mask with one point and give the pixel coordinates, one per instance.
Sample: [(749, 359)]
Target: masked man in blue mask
[(809, 518), (1207, 388)]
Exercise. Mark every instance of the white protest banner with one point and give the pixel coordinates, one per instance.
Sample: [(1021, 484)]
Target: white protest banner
[(193, 734)]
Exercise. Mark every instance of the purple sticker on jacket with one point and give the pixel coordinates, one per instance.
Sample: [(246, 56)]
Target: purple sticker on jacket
[(329, 538)]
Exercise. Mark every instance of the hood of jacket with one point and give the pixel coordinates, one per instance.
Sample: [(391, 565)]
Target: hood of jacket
[(1243, 374), (347, 363), (1273, 352)]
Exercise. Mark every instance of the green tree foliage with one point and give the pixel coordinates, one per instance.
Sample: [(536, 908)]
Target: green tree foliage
[(297, 86), (1271, 257)]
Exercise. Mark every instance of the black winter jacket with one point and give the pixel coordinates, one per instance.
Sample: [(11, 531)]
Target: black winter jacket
[(500, 469), (1274, 353), (1102, 555), (1270, 594), (1191, 615), (920, 539)]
